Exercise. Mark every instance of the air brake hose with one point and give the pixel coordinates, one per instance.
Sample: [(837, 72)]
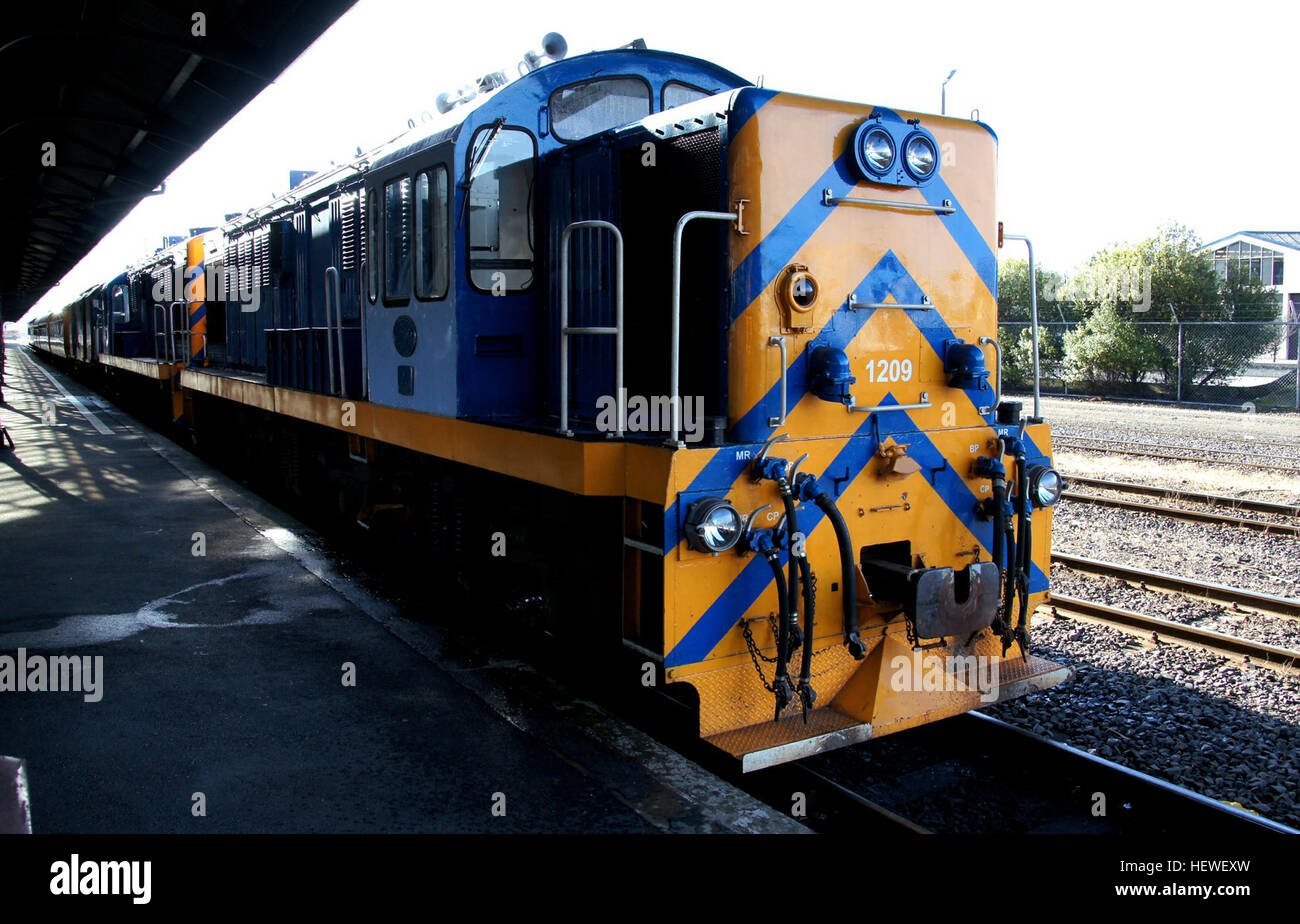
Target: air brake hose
[(807, 694), (848, 574), (781, 682), (1025, 550), (992, 468), (1016, 449), (1002, 542), (791, 528)]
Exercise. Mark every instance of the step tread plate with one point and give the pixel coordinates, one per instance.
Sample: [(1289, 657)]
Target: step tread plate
[(767, 744)]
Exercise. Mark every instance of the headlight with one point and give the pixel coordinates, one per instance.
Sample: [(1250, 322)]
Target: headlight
[(1045, 485), (878, 150), (712, 525), (921, 156)]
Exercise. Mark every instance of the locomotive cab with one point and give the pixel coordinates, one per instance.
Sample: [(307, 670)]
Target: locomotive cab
[(871, 455)]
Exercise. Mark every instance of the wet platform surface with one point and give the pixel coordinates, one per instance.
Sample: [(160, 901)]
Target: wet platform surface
[(223, 673)]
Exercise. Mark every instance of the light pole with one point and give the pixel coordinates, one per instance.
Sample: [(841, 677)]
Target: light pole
[(943, 93)]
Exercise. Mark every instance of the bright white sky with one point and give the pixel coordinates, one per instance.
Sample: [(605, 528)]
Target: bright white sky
[(1113, 117)]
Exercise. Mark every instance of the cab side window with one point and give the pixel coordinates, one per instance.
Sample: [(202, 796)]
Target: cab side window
[(397, 239), (501, 210), (120, 301), (371, 254), (432, 241)]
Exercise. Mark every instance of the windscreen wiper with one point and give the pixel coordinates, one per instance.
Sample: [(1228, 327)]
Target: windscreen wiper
[(476, 161)]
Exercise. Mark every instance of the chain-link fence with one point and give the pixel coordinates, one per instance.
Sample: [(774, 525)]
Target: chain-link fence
[(1197, 362)]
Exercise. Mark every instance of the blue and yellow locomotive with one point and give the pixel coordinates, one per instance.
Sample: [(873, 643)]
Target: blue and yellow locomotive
[(715, 358)]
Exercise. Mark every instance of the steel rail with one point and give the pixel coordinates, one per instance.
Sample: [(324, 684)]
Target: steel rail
[(844, 811), (1182, 513), (1167, 629), (1148, 801), (1097, 446), (1196, 497), (1114, 442), (1236, 597)]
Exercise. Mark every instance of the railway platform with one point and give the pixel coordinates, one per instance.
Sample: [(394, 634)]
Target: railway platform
[(232, 680)]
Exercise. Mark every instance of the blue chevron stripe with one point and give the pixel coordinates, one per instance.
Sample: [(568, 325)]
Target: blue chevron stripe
[(888, 277), (721, 615), (958, 224), (795, 228)]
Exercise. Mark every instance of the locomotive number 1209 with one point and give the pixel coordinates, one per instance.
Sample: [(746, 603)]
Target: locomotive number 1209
[(889, 370)]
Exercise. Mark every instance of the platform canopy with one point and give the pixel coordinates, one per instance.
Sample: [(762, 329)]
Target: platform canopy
[(125, 91)]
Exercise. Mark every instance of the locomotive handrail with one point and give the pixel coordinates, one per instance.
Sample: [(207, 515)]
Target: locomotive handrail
[(362, 295), (829, 198), (566, 330), (780, 342), (997, 387), (675, 399), (922, 305), (919, 406), (173, 333), (332, 297), (160, 331), (1033, 315)]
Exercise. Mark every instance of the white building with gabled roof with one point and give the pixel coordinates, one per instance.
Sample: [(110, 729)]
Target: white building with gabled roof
[(1273, 258)]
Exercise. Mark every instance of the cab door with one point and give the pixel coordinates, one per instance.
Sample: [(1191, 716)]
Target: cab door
[(408, 297)]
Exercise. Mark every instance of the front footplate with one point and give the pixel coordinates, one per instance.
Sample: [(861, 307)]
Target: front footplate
[(895, 687), (769, 743)]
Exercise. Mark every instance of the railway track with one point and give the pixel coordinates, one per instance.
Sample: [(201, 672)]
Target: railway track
[(1233, 597), (977, 773), (968, 774), (1290, 511), (827, 806), (1154, 451), (1159, 629)]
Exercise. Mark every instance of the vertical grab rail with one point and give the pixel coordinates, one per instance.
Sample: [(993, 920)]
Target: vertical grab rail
[(675, 399), (160, 332), (332, 297), (1033, 313), (785, 360), (566, 330), (997, 388), (174, 332)]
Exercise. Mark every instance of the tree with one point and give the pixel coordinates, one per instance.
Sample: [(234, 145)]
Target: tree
[(1018, 354), (1214, 352), (1147, 278), (1127, 291), (1013, 291), (1110, 349)]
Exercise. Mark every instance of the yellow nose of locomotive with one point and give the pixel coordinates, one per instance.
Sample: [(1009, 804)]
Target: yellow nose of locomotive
[(883, 568)]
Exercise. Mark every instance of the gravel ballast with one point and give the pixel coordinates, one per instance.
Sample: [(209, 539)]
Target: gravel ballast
[(1244, 558), (1198, 719), (1282, 631), (1229, 731)]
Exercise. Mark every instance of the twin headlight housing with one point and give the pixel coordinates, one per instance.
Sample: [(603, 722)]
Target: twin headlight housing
[(877, 146)]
